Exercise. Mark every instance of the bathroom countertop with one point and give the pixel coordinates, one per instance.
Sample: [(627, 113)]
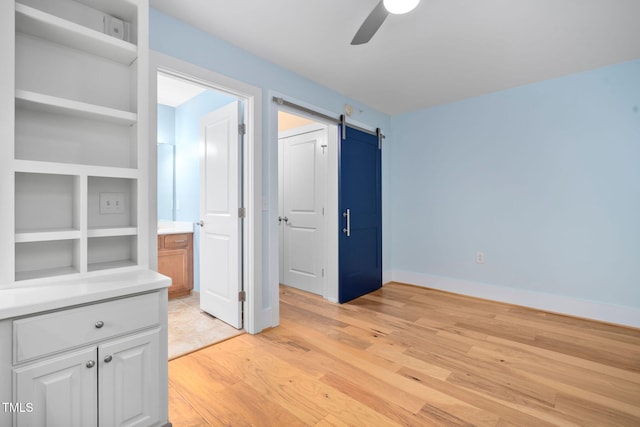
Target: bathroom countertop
[(29, 299), (174, 227)]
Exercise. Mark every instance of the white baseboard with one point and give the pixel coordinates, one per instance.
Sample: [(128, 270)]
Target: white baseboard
[(605, 312)]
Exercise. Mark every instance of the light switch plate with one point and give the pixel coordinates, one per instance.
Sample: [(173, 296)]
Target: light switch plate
[(111, 203)]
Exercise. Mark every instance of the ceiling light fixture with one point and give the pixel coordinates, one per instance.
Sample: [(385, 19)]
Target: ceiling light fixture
[(399, 7)]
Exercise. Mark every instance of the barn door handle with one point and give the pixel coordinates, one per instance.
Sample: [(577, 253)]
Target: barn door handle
[(347, 230)]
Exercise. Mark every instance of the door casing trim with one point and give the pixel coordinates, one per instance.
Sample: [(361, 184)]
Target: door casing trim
[(255, 318)]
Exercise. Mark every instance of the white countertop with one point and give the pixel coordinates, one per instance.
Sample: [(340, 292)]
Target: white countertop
[(29, 299), (174, 227)]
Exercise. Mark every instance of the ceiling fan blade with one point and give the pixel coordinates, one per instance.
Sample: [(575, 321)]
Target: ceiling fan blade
[(371, 24)]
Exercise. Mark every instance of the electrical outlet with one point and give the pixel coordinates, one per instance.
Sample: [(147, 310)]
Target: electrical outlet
[(479, 257), (111, 203)]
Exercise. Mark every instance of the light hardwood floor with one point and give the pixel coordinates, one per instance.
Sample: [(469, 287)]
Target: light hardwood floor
[(405, 355)]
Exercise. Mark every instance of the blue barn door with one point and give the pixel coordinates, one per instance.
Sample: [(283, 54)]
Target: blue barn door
[(360, 205)]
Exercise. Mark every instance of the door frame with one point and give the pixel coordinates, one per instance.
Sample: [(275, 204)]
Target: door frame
[(331, 206), (300, 130), (255, 319)]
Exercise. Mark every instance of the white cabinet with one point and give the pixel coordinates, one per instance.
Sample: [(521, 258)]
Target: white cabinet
[(75, 141), (115, 381), (61, 391), (75, 222), (128, 381)]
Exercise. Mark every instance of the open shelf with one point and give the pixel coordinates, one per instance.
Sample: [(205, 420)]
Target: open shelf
[(53, 104), (105, 222), (98, 266), (111, 252), (46, 235), (44, 259), (46, 206), (49, 272), (30, 166), (75, 158), (58, 141), (41, 24), (112, 231)]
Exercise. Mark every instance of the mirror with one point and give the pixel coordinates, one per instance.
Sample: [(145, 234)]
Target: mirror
[(166, 181)]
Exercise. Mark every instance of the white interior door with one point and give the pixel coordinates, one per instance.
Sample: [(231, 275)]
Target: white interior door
[(221, 225), (302, 194)]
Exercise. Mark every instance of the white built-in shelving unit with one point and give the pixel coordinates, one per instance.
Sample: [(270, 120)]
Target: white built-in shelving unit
[(77, 140)]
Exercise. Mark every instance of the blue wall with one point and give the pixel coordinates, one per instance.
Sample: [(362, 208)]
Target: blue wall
[(187, 151), (166, 124), (544, 179)]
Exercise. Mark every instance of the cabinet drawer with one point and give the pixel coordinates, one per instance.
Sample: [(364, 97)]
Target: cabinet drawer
[(173, 241), (45, 334)]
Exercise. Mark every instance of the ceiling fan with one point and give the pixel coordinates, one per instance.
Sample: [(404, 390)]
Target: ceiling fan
[(378, 15)]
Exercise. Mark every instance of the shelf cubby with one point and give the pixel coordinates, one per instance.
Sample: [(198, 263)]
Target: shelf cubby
[(47, 26), (55, 105), (86, 14), (105, 223), (36, 260), (47, 206), (50, 134), (111, 252)]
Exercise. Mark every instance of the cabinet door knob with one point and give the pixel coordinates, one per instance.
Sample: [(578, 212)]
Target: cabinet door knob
[(99, 324), (91, 364), (108, 359)]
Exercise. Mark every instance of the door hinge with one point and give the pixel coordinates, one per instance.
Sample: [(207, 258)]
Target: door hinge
[(242, 296), (242, 212), (242, 129)]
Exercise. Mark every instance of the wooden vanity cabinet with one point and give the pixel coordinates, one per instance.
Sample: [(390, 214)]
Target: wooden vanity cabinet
[(175, 259)]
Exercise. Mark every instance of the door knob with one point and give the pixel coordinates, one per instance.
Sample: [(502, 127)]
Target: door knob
[(91, 364), (200, 223), (108, 359), (99, 324)]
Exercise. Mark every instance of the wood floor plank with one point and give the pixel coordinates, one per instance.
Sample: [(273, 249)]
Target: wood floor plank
[(181, 409), (413, 356)]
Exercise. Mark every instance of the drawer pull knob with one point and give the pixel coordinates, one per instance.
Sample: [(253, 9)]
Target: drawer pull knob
[(99, 324), (108, 359), (91, 364)]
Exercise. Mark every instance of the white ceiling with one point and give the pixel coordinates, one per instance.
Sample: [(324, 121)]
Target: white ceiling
[(443, 51), (175, 92)]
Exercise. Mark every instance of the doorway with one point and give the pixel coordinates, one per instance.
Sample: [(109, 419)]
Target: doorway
[(189, 114), (302, 154), (307, 201), (353, 254)]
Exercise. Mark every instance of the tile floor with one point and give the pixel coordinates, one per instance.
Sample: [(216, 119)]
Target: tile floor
[(191, 329)]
